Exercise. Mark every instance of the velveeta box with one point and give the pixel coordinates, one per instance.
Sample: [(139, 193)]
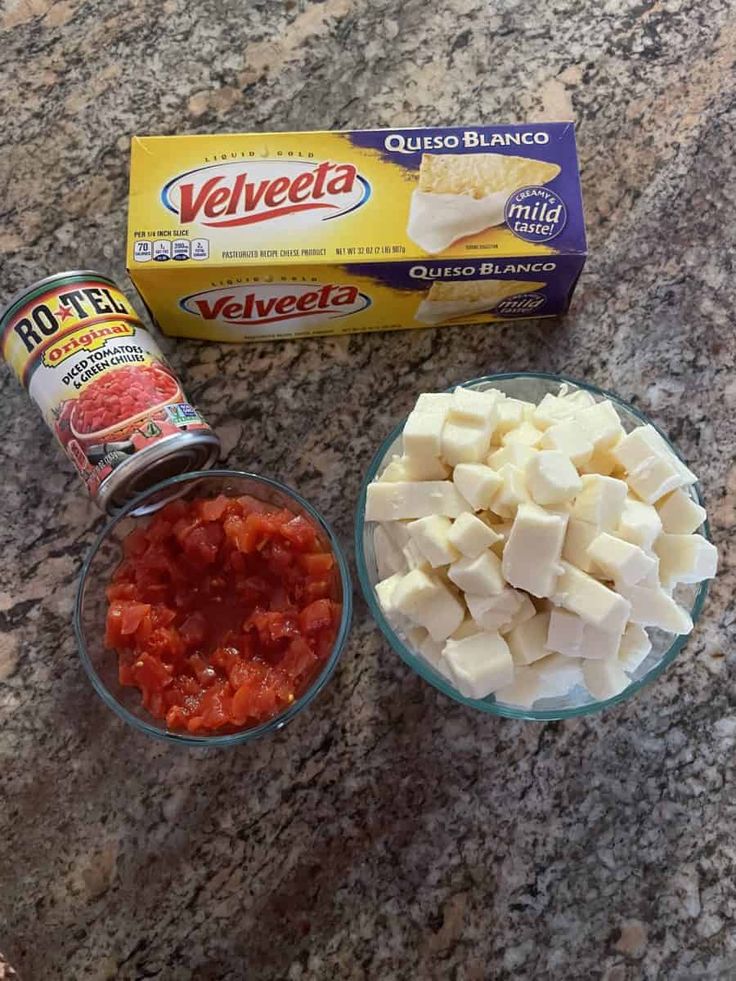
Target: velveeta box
[(242, 237)]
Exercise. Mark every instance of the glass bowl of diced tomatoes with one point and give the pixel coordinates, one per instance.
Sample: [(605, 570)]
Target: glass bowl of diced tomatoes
[(220, 616)]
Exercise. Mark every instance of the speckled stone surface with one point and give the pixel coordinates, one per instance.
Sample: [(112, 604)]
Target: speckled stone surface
[(387, 833)]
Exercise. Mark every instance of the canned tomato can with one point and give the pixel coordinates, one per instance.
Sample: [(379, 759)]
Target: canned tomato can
[(103, 386)]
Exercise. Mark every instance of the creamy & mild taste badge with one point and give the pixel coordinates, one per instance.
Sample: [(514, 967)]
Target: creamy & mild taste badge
[(103, 386), (258, 236)]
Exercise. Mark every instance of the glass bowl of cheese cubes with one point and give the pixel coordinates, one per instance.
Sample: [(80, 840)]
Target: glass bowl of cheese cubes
[(532, 546)]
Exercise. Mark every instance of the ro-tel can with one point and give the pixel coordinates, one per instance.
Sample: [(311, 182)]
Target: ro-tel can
[(103, 386)]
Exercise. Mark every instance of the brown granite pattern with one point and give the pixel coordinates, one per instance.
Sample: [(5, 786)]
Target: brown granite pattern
[(387, 833)]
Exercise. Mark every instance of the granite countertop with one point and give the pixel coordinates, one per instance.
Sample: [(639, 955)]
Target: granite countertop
[(388, 833)]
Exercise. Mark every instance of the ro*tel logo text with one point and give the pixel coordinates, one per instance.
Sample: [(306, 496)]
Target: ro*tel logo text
[(259, 304), (234, 194)]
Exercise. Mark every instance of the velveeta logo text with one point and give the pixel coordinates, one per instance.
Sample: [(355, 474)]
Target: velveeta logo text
[(231, 195), (261, 304)]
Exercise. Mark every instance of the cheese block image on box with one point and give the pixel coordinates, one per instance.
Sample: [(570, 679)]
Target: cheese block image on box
[(449, 301), (253, 236), (459, 195)]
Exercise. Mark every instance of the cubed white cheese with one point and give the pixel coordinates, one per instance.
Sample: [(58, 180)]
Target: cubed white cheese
[(558, 675), (577, 397), (516, 454), (389, 557), (531, 558), (477, 483), (651, 606), (512, 492), (568, 438), (498, 612), (653, 470), (620, 560), (680, 514), (578, 537), (635, 646), (475, 407), (523, 691), (569, 634), (600, 502), (409, 499), (433, 402), (553, 409), (602, 462), (480, 664), (470, 536), (527, 641), (524, 611), (685, 558), (552, 478), (413, 558), (385, 590), (401, 468), (422, 435), (639, 523), (463, 442), (591, 600), (602, 424), (431, 537), (525, 433), (507, 415), (604, 679), (467, 628), (481, 575)]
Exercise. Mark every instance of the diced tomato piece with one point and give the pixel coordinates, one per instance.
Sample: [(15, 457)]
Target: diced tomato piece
[(299, 531), (121, 591), (316, 616), (133, 614), (213, 509), (151, 674), (298, 659), (194, 629), (317, 564)]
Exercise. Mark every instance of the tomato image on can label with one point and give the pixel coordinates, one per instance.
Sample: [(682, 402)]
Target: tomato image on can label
[(103, 386)]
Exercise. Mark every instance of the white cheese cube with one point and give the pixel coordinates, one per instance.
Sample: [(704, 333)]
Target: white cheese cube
[(602, 424), (591, 600), (395, 469), (578, 397), (413, 558), (523, 691), (653, 607), (525, 434), (653, 470), (639, 524), (409, 499), (565, 632), (600, 502), (531, 558), (401, 468), (471, 536), (507, 415), (430, 535), (464, 443), (385, 591), (558, 675), (434, 402), (479, 664), (481, 575), (680, 514), (469, 405), (516, 454), (427, 602), (527, 641), (422, 435), (524, 611), (553, 409), (389, 557), (468, 628), (552, 478), (602, 462), (569, 438), (578, 538), (635, 646), (477, 483), (512, 492), (497, 612), (569, 634), (685, 558), (620, 560), (604, 679)]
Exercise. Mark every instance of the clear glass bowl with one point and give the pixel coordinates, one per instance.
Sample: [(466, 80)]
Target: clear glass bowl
[(530, 386), (101, 664)]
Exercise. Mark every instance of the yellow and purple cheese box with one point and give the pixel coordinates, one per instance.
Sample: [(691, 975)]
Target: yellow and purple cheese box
[(242, 237)]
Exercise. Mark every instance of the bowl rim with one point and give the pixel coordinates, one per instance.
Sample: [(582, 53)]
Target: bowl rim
[(424, 669), (244, 735)]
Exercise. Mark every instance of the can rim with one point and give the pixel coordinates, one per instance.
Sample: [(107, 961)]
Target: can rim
[(46, 281)]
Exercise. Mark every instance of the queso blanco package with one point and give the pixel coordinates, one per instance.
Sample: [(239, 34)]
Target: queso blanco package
[(243, 237)]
